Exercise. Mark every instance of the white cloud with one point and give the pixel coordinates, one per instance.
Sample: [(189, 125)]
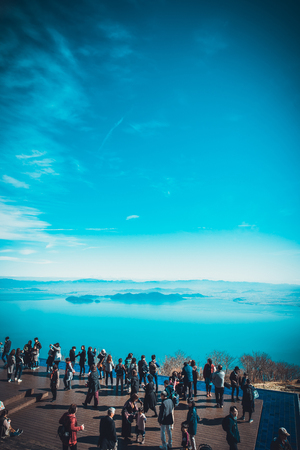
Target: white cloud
[(132, 217), (9, 258), (6, 251), (27, 251), (35, 154), (14, 182)]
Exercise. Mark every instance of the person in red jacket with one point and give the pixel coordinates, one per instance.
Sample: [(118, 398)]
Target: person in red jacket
[(69, 421)]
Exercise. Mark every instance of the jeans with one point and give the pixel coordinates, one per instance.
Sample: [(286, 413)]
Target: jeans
[(194, 447), (4, 355), (142, 377), (109, 374), (120, 380), (233, 446), (156, 381), (195, 387), (67, 383), (19, 371), (82, 370), (219, 395), (237, 388), (163, 430), (188, 385)]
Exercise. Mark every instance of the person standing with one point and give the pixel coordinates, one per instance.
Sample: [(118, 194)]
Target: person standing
[(72, 356), (128, 413), (143, 369), (38, 346), (82, 360), (54, 382), (57, 353), (120, 370), (281, 442), (27, 354), (234, 379), (208, 370), (93, 385), (153, 370), (108, 436), (165, 420), (11, 362), (140, 425), (68, 419), (6, 349), (50, 359), (134, 383), (131, 369), (187, 372), (192, 420), (68, 375), (230, 426), (100, 364), (248, 400), (150, 396), (195, 376), (218, 378), (109, 366), (91, 357), (19, 365)]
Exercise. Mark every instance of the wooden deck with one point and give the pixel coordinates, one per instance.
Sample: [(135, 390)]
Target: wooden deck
[(39, 419)]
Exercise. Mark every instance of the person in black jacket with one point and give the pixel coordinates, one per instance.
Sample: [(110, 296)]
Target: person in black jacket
[(150, 396), (248, 400), (143, 369), (6, 349), (93, 387), (165, 419), (134, 383), (108, 436), (281, 442), (72, 355), (91, 357), (235, 379), (54, 382), (82, 360), (233, 435)]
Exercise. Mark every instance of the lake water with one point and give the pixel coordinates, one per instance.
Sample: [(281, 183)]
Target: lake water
[(161, 318)]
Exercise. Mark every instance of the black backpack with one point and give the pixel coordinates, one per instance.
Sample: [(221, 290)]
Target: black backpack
[(152, 367), (225, 423)]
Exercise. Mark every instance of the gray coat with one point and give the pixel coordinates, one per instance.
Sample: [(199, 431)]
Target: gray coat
[(11, 362), (218, 379)]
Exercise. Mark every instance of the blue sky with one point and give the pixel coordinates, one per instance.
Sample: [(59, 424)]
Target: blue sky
[(150, 140)]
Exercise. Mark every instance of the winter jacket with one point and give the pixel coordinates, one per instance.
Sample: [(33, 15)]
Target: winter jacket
[(165, 416), (135, 385), (7, 345), (233, 435), (234, 378), (70, 423), (11, 361), (187, 373), (277, 444), (91, 357), (208, 371), (218, 379), (150, 397), (54, 379), (192, 420), (82, 357), (93, 382), (108, 436), (109, 366)]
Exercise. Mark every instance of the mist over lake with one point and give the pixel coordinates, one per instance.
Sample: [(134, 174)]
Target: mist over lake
[(154, 317)]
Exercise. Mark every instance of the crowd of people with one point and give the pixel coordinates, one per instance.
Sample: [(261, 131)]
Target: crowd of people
[(133, 376)]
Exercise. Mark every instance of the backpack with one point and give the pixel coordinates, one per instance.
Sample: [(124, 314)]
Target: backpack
[(144, 368), (225, 423), (119, 370), (128, 363), (152, 368), (63, 434)]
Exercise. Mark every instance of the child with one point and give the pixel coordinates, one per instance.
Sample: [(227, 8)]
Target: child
[(68, 375), (135, 384), (140, 425), (186, 442), (5, 426)]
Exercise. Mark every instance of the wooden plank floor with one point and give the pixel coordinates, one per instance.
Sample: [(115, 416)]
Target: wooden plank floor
[(40, 420)]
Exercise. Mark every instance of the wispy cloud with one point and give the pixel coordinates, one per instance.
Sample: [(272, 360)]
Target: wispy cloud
[(14, 182), (147, 128), (247, 225), (110, 132), (100, 229), (34, 154), (132, 217), (9, 258)]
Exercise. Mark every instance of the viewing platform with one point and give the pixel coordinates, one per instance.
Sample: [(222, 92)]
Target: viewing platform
[(31, 410)]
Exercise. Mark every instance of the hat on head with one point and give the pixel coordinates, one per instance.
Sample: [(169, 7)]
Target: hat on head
[(236, 368), (283, 431)]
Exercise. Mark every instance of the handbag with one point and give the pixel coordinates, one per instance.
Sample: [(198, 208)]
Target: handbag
[(227, 385), (255, 394)]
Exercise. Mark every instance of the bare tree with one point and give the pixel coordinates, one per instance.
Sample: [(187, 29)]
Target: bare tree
[(223, 358)]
